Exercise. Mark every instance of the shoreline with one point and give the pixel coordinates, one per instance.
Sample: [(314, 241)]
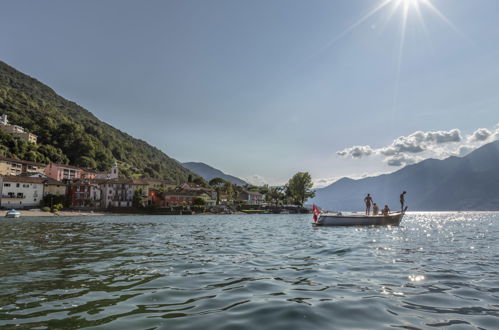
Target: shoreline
[(40, 213), (74, 213)]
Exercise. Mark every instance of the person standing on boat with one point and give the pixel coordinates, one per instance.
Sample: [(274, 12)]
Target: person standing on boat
[(385, 211), (402, 201), (375, 209), (368, 200)]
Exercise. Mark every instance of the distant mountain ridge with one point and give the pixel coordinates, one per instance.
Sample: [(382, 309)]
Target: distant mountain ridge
[(208, 172), (68, 133), (451, 184)]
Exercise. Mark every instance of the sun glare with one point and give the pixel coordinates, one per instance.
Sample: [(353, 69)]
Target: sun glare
[(407, 10)]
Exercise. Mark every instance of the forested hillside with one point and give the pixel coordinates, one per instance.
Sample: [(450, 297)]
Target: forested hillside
[(68, 133)]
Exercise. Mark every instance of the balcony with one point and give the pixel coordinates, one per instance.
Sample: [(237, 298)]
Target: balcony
[(12, 196)]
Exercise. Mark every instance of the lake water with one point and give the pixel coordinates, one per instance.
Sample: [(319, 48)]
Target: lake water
[(436, 270)]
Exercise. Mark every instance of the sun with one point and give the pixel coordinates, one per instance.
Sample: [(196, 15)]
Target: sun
[(407, 10)]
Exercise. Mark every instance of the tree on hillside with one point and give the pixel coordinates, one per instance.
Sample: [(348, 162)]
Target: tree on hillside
[(200, 181), (300, 187)]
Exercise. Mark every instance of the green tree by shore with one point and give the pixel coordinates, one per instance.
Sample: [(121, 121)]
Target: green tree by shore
[(300, 187)]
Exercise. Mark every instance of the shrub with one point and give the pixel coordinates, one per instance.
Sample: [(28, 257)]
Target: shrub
[(57, 207), (46, 209)]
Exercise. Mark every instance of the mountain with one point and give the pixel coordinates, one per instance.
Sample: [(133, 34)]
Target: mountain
[(208, 173), (68, 133), (455, 183)]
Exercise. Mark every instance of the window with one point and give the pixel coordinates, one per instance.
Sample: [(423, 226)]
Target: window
[(18, 185), (25, 185), (6, 184)]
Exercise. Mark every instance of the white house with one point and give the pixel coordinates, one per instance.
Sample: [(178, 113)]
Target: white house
[(120, 192), (20, 191)]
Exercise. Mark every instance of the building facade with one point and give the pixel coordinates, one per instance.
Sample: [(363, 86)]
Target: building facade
[(16, 130), (11, 166), (251, 198), (20, 191), (85, 194), (120, 192), (62, 172), (54, 187), (113, 174)]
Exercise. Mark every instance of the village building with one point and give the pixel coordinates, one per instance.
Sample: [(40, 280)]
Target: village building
[(62, 172), (177, 197), (113, 174), (120, 192), (191, 186), (12, 166), (54, 187), (20, 191), (251, 198), (182, 197), (16, 130), (85, 194)]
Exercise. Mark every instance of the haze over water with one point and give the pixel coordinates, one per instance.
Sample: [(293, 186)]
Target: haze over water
[(436, 270)]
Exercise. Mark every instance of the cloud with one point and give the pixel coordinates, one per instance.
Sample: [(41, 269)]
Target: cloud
[(463, 150), (420, 141), (324, 182), (454, 135), (356, 151), (426, 144), (401, 159), (480, 134), (256, 180)]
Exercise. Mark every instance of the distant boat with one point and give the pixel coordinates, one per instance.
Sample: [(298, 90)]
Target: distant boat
[(338, 219), (12, 214)]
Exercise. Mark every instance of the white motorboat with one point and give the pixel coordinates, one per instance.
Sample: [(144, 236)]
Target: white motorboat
[(12, 214), (339, 219)]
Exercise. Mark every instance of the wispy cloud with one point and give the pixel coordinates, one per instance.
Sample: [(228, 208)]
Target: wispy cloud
[(420, 145), (256, 180), (323, 182)]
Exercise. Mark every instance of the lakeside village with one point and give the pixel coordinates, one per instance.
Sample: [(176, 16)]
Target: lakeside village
[(53, 187)]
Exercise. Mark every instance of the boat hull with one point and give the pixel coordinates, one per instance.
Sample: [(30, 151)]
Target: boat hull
[(359, 220), (10, 214)]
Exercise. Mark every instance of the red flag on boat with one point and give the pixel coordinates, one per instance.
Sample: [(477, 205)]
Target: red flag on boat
[(316, 213)]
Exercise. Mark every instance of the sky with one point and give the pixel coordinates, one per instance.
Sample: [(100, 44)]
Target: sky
[(262, 89)]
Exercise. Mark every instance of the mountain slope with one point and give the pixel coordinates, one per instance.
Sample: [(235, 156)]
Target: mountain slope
[(467, 183), (208, 173), (68, 133)]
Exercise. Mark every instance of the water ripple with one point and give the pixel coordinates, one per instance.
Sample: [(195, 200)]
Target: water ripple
[(436, 270)]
